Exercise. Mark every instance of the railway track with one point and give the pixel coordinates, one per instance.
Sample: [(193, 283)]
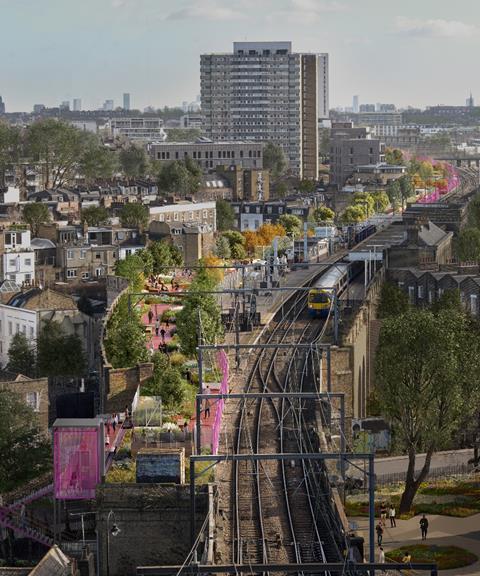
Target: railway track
[(279, 514)]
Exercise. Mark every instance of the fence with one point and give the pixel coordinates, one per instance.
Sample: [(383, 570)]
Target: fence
[(222, 360), (435, 473)]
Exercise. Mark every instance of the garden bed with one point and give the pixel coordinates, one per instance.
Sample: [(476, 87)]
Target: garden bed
[(446, 557)]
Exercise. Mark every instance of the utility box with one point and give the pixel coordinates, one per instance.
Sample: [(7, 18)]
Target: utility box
[(161, 466)]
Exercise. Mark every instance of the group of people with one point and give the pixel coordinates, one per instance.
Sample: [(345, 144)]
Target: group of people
[(158, 283), (160, 330), (390, 513)]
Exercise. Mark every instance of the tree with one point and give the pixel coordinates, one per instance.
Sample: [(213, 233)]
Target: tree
[(125, 343), (35, 214), (394, 193), (9, 148), (365, 200), (26, 452), (251, 241), (394, 156), (165, 382), (234, 237), (407, 189), (225, 215), (425, 171), (274, 159), (354, 214), (380, 200), (180, 177), (222, 248), (292, 224), (393, 301), (268, 232), (58, 353), (239, 252), (97, 162), (281, 189), (132, 268), (94, 215), (21, 356), (427, 378), (449, 300), (165, 256), (200, 317), (134, 215), (59, 146), (467, 246), (306, 186), (133, 161), (323, 214)]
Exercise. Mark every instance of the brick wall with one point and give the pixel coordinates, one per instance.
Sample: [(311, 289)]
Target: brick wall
[(154, 522), (122, 384)]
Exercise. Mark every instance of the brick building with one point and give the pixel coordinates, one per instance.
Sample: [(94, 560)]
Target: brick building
[(33, 391)]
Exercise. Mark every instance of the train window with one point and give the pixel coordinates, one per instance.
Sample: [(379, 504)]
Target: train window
[(318, 298)]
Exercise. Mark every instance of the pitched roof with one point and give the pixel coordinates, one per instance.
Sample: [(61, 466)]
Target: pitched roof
[(37, 299)]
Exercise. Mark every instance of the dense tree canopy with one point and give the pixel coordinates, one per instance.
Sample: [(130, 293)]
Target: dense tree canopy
[(94, 215), (394, 156), (25, 450), (274, 159), (393, 301), (467, 245), (134, 215), (60, 146), (323, 214), (180, 177), (292, 224), (133, 161), (125, 340), (225, 215), (21, 356), (165, 256), (200, 318), (427, 377), (58, 353)]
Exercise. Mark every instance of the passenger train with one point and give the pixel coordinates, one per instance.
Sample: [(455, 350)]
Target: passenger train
[(321, 296)]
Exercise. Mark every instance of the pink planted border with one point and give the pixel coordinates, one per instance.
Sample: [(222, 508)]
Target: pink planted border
[(222, 362)]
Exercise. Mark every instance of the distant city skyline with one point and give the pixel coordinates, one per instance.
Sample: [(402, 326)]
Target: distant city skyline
[(413, 53)]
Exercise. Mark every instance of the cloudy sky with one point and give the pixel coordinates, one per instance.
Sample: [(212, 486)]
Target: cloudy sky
[(416, 52)]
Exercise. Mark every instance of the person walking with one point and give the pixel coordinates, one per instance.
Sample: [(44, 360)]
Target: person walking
[(162, 334), (407, 559), (381, 556), (150, 316), (424, 526), (114, 423), (383, 514), (379, 530), (157, 326), (207, 402), (392, 513)]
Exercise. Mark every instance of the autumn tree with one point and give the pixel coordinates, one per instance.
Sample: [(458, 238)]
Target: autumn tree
[(428, 381), (267, 232)]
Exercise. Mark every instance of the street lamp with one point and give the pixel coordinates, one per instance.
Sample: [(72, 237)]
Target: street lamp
[(113, 531)]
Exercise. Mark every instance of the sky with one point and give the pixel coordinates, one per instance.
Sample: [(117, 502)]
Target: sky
[(408, 52)]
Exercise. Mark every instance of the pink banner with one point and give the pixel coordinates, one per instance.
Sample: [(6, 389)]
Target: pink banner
[(222, 361), (76, 463)]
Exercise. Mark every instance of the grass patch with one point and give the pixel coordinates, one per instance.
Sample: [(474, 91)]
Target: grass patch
[(446, 557), (122, 472), (454, 487)]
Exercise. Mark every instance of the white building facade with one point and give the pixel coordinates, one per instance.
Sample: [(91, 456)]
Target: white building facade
[(13, 321), (18, 258)]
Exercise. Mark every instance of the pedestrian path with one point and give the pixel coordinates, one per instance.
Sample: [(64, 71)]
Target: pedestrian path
[(443, 531)]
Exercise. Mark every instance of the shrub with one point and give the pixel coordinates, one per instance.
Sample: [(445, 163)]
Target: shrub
[(446, 557)]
